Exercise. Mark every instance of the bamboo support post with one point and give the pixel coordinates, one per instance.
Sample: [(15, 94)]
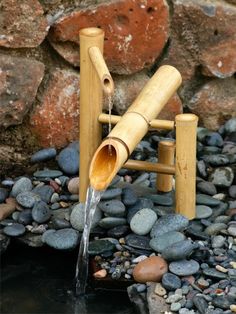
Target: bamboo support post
[(149, 166), (115, 150), (166, 154), (94, 77), (185, 184), (155, 123)]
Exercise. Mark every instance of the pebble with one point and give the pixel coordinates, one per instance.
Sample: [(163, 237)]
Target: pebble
[(150, 269), (68, 160), (41, 212), (143, 221), (213, 273), (43, 155), (110, 222), (77, 217), (200, 303), (73, 185), (47, 173), (139, 259), (184, 267), (102, 273), (215, 228), (114, 208), (207, 187), (163, 241), (45, 192), (202, 199), (160, 290), (27, 199), (3, 195), (14, 230), (175, 307), (118, 231), (169, 222), (63, 239), (25, 217), (128, 196), (164, 200), (21, 185), (100, 246), (138, 241), (221, 302), (58, 223), (179, 250), (217, 159), (218, 241), (230, 125), (141, 203), (111, 193), (171, 282), (203, 211), (222, 176)]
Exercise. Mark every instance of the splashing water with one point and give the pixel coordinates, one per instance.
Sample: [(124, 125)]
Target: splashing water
[(92, 199)]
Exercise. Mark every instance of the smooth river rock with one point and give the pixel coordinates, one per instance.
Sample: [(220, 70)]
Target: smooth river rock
[(179, 250), (184, 267), (163, 241), (171, 282), (22, 185), (43, 155), (14, 230), (114, 208), (203, 211), (63, 239), (41, 212), (143, 221), (77, 217)]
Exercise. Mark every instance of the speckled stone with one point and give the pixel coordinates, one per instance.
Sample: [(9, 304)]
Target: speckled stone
[(213, 273), (14, 230), (77, 217), (203, 211), (41, 212), (46, 173), (215, 228), (163, 241), (207, 187), (68, 160), (222, 176), (143, 221), (110, 222), (43, 155), (100, 246), (22, 185), (171, 282), (184, 267), (111, 193), (128, 196), (179, 250), (202, 199), (141, 203), (45, 192), (113, 208), (63, 239), (27, 199)]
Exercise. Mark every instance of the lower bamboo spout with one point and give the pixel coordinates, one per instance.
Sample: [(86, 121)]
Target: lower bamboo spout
[(115, 150)]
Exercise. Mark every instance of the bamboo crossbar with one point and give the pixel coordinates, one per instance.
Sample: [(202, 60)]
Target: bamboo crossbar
[(149, 166), (155, 123)]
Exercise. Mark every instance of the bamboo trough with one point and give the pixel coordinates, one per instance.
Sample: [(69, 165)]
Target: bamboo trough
[(99, 164)]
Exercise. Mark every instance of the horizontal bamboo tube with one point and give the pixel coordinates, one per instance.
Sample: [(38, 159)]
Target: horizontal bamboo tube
[(133, 126), (155, 123), (166, 154), (185, 184), (149, 166), (102, 70)]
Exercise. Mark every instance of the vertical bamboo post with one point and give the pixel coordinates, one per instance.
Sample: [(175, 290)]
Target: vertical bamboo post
[(166, 153), (186, 129), (90, 104)]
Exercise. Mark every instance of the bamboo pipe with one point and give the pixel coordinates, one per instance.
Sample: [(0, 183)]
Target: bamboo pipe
[(155, 123), (185, 177), (133, 126), (149, 166), (102, 70), (90, 99), (166, 154)]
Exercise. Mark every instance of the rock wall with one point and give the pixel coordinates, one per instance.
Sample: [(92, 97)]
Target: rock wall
[(39, 62)]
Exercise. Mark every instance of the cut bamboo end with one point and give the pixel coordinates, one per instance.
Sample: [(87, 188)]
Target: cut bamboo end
[(166, 153), (107, 161), (102, 70), (91, 32)]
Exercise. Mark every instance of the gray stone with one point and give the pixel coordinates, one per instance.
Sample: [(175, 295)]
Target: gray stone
[(163, 241), (222, 176), (100, 246), (14, 230), (171, 222), (164, 200), (32, 240), (207, 187), (179, 250), (68, 160), (230, 125), (4, 242), (203, 211), (143, 221), (41, 212), (25, 217), (60, 223), (200, 303), (47, 173), (184, 267), (43, 155), (218, 241), (232, 230), (3, 195), (215, 228), (213, 273), (232, 191), (77, 217), (110, 222), (111, 193), (27, 199), (202, 199), (175, 306), (217, 159), (45, 192), (63, 239), (141, 203), (114, 208), (118, 231), (129, 196), (171, 282), (22, 185), (221, 302), (138, 241)]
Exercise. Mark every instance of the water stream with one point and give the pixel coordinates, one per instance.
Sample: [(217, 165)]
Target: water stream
[(81, 275)]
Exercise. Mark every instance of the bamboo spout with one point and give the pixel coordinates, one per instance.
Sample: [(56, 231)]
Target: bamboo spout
[(132, 127)]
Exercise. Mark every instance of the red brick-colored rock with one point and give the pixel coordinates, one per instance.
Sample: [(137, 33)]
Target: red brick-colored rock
[(203, 37), (127, 88), (56, 120), (22, 23), (150, 269), (19, 81), (135, 33), (215, 103)]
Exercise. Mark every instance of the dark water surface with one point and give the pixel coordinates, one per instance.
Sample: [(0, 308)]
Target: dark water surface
[(42, 281)]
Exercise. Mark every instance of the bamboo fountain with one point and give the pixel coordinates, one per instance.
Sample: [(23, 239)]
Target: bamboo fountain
[(101, 160)]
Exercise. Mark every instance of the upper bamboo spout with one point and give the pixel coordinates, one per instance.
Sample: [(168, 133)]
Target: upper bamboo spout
[(133, 126)]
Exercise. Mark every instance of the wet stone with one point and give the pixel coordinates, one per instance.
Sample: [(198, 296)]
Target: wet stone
[(25, 217), (77, 217), (214, 139), (68, 160), (184, 267), (45, 192), (170, 222), (213, 273), (218, 241), (232, 191), (110, 222), (202, 199), (221, 302), (63, 239), (217, 160), (215, 228), (22, 185), (206, 188), (222, 177), (160, 243), (141, 203), (14, 230), (111, 193), (114, 208), (43, 174), (203, 211), (179, 250), (138, 241), (200, 303), (201, 166), (43, 155), (219, 210), (164, 200), (41, 212), (58, 223), (3, 195), (143, 221), (128, 197), (27, 199), (118, 232), (230, 125), (171, 282), (100, 246), (232, 230)]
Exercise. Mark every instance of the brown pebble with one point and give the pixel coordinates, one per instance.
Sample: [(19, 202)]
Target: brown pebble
[(55, 186), (8, 208), (64, 204), (100, 274), (150, 269)]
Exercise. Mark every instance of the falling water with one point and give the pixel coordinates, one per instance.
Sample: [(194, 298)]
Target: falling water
[(109, 122), (92, 199)]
